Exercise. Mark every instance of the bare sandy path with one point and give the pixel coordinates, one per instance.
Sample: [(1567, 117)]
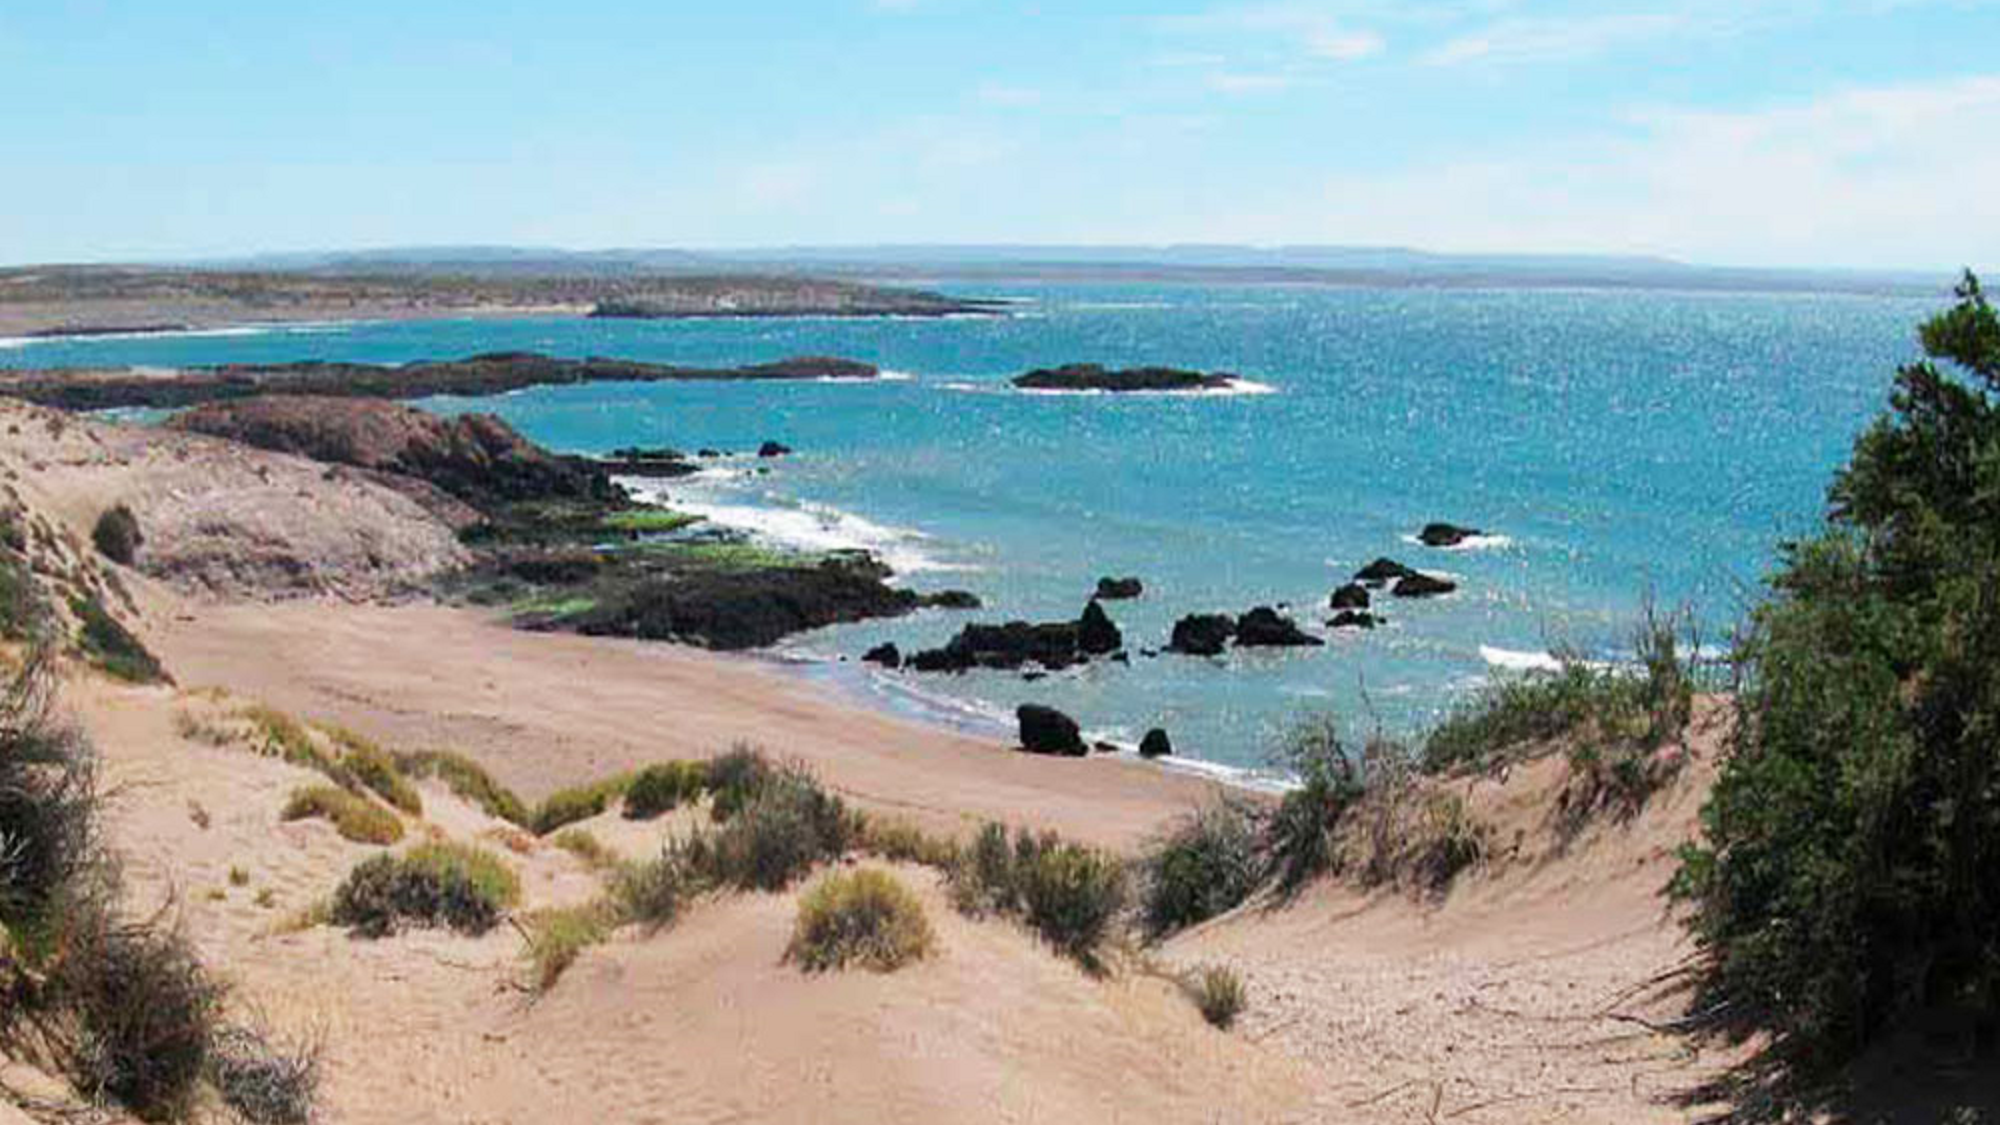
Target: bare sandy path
[(546, 710)]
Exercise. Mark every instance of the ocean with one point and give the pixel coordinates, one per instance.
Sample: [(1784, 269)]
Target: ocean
[(1615, 447)]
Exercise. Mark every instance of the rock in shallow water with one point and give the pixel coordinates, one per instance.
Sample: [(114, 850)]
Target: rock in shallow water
[(1119, 589), (1202, 634), (1445, 534), (1264, 627), (1422, 586), (887, 655), (1156, 744), (1381, 571), (1045, 730), (1354, 619), (1351, 596), (1095, 633)]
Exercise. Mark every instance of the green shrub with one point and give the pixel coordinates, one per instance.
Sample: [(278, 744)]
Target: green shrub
[(652, 892), (567, 806), (278, 735), (863, 918), (789, 824), (111, 647), (117, 536), (735, 777), (1070, 895), (355, 818), (436, 884), (468, 780), (1850, 873), (902, 842), (1220, 995), (48, 799), (661, 788), (1300, 839), (21, 608), (264, 1080), (586, 847), (1207, 864), (140, 1011), (982, 881)]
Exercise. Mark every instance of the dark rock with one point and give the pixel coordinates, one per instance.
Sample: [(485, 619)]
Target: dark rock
[(636, 462), (475, 457), (1053, 645), (1422, 586), (1264, 627), (709, 453), (1092, 377), (1119, 589), (773, 449), (1095, 632), (729, 609), (1445, 534), (1381, 571), (1156, 744), (1351, 596), (1104, 747), (953, 599), (1121, 658), (1354, 619), (553, 568), (887, 655), (1202, 634), (1045, 730)]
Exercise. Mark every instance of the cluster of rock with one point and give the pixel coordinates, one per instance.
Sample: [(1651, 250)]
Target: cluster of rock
[(1045, 730), (1054, 645), (1207, 634)]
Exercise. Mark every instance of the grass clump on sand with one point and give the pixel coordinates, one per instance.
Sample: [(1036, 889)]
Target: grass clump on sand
[(863, 918), (567, 806), (434, 884), (663, 787), (1220, 995), (1302, 837), (111, 647), (468, 780), (376, 770), (586, 847), (557, 937), (355, 817), (899, 841), (1206, 865), (1066, 892), (776, 832), (266, 1080)]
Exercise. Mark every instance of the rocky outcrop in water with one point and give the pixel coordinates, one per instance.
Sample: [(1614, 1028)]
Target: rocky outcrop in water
[(1422, 586), (1445, 534), (652, 463), (1202, 634), (774, 449), (733, 610), (1096, 634), (1045, 730), (1354, 619), (1264, 627), (1382, 571), (1092, 377), (887, 655), (1119, 589), (1351, 596), (1054, 645), (1156, 744)]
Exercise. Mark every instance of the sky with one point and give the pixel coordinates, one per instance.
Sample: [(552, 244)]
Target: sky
[(1818, 133)]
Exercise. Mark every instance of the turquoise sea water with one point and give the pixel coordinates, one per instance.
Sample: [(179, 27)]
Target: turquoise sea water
[(1615, 444)]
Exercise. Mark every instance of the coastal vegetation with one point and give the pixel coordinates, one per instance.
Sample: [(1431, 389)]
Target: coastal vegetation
[(1848, 876), (355, 817), (440, 883), (862, 917)]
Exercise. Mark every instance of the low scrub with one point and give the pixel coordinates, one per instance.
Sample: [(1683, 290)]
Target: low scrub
[(1302, 837), (1220, 995), (112, 647), (664, 787), (737, 776), (863, 918), (376, 770), (1066, 892), (556, 938), (437, 884), (468, 780), (1206, 865), (653, 892), (788, 823), (567, 806), (899, 841), (275, 734), (116, 535), (49, 799), (586, 847), (355, 817), (264, 1079)]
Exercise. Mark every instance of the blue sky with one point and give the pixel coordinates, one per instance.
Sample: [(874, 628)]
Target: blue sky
[(1754, 132)]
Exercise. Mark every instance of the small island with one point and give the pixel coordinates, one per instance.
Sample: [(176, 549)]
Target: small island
[(1094, 377)]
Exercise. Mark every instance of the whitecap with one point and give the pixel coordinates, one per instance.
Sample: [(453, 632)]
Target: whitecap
[(1515, 660), (1480, 542), (806, 526)]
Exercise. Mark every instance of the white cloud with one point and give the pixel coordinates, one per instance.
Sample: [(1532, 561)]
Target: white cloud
[(1875, 177), (1314, 30), (1523, 40)]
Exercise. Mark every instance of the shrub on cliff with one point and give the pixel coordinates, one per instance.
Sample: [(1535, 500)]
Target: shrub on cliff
[(1850, 874), (117, 536), (1207, 864), (111, 646)]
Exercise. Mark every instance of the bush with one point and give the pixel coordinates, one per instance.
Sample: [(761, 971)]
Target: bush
[(652, 892), (112, 647), (355, 818), (1850, 875), (140, 1011), (1300, 841), (982, 881), (860, 917), (264, 1081), (556, 938), (789, 824), (48, 799), (902, 842), (661, 788), (736, 777), (1208, 864), (430, 885), (21, 609), (1220, 995), (586, 847), (567, 806), (468, 780), (1070, 894), (117, 536)]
